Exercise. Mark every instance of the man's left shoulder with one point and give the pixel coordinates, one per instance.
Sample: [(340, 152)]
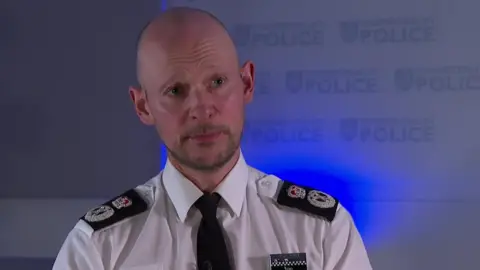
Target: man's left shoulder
[(301, 197)]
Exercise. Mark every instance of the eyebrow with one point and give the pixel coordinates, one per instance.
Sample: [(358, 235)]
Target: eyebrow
[(167, 82)]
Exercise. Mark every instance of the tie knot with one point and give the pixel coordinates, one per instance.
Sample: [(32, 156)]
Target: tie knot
[(208, 203)]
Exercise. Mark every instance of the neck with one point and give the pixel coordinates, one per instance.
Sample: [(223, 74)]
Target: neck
[(206, 181)]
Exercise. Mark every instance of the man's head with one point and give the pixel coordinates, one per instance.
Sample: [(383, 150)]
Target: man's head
[(192, 88)]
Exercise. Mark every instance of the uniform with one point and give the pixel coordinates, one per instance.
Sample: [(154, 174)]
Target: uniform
[(153, 226)]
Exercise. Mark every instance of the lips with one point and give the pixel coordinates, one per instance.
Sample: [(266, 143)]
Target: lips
[(206, 137)]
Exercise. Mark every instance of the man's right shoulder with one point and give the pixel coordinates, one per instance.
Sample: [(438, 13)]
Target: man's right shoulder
[(119, 209)]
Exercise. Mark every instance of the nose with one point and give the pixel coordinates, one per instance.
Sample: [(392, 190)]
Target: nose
[(201, 105)]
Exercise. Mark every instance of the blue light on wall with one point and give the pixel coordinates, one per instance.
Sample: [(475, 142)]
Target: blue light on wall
[(376, 221), (353, 191), (163, 156), (163, 5)]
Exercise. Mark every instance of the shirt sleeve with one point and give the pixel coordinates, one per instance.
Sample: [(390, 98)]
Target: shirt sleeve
[(78, 252), (343, 245)]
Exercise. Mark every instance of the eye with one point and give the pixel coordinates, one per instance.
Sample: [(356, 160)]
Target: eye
[(218, 82), (173, 91)]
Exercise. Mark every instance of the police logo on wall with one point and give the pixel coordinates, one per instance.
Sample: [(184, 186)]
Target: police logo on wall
[(307, 199), (126, 205)]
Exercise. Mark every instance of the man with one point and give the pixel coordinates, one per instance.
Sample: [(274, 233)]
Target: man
[(207, 209)]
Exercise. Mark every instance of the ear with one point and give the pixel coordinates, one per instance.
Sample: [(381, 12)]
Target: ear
[(139, 99), (247, 75)]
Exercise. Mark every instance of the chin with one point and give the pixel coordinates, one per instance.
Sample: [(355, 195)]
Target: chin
[(210, 156), (206, 156)]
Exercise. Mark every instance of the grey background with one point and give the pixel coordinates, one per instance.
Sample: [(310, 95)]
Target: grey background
[(67, 121), (68, 128)]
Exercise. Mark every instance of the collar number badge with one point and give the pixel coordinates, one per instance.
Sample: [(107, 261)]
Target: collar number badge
[(288, 261)]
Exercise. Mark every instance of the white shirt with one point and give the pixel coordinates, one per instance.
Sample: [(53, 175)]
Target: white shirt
[(164, 236)]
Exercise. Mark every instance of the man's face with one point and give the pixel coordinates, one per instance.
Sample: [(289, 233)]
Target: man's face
[(195, 96)]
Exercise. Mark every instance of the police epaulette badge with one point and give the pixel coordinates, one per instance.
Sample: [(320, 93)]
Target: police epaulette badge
[(128, 204), (306, 199)]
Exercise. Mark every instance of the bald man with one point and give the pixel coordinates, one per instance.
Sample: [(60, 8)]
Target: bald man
[(207, 209)]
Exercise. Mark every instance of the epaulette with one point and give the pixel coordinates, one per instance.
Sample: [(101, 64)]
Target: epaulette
[(127, 205), (307, 199)]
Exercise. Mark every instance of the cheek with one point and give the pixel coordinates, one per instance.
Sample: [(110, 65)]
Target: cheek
[(231, 100), (166, 121), (165, 109), (233, 112), (169, 133)]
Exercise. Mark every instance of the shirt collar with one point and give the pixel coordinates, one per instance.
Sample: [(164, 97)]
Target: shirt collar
[(183, 193)]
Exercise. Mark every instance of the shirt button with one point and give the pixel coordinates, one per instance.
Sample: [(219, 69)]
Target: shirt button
[(266, 183)]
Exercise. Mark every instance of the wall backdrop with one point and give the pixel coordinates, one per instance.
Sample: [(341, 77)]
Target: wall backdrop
[(374, 101), (69, 135)]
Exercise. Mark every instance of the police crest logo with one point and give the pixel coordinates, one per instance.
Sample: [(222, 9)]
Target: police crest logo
[(99, 213), (127, 205), (308, 200), (320, 199), (122, 202), (296, 192)]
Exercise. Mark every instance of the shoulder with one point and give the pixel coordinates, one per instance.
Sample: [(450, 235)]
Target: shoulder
[(117, 210), (287, 195)]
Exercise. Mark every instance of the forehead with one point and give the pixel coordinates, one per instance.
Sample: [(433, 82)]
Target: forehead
[(205, 53), (188, 58)]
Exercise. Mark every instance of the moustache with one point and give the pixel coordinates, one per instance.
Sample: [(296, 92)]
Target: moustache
[(205, 129)]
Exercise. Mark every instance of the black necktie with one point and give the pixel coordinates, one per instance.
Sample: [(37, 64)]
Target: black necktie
[(212, 251)]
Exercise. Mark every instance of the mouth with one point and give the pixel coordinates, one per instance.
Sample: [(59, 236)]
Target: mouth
[(205, 137)]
